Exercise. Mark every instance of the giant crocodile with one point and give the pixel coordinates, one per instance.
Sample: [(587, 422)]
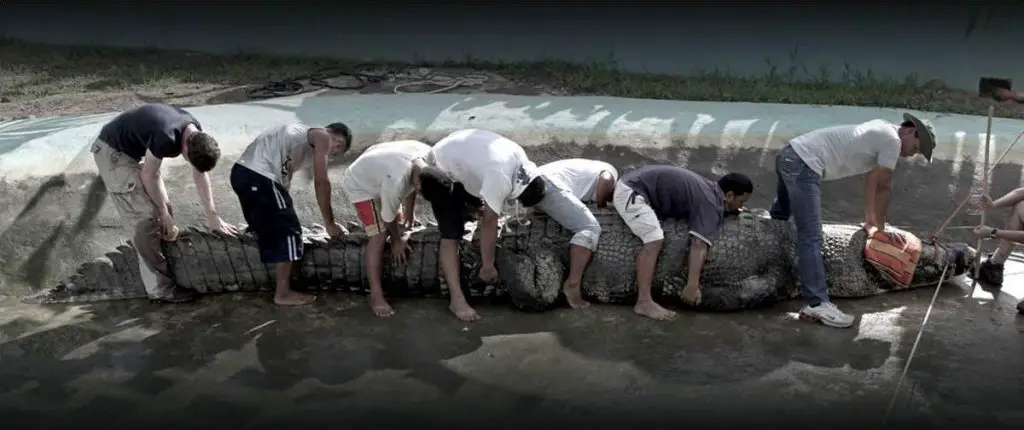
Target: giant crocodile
[(752, 264)]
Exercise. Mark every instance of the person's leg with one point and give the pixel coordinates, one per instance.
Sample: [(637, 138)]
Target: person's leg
[(780, 206), (804, 188), (562, 206), (991, 270), (122, 178), (369, 214), (644, 223), (286, 248), (451, 224)]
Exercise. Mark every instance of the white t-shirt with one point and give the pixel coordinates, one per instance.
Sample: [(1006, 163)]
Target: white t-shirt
[(490, 166), (278, 152), (382, 171), (578, 175), (848, 150)]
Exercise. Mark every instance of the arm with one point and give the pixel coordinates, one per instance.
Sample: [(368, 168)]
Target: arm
[(1015, 236), (409, 207), (877, 192), (202, 181), (153, 182), (695, 263), (494, 190), (1009, 199), (321, 182)]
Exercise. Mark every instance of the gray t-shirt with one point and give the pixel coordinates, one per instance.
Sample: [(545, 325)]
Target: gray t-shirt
[(678, 193)]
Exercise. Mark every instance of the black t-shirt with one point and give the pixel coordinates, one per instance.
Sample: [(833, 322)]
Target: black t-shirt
[(156, 127), (677, 193)]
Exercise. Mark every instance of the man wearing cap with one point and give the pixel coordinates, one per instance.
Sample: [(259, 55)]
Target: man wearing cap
[(870, 148), (494, 169)]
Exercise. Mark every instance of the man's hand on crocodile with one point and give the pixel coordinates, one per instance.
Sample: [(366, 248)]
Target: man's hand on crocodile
[(399, 250), (335, 230), (691, 294), (217, 225), (488, 274), (894, 238)]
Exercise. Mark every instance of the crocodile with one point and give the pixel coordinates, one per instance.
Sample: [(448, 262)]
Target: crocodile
[(752, 264)]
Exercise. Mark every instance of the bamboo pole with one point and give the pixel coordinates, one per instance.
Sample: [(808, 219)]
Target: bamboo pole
[(984, 191)]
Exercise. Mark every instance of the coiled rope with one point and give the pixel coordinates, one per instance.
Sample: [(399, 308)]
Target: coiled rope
[(356, 78)]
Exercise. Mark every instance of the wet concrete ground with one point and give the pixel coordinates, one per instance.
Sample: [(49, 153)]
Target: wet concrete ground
[(236, 360)]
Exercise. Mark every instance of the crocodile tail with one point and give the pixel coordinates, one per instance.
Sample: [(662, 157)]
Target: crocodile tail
[(115, 276)]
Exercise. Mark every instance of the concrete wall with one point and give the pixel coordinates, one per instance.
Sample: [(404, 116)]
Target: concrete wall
[(888, 39)]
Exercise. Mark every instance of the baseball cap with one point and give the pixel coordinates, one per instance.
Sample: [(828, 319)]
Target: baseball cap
[(925, 134)]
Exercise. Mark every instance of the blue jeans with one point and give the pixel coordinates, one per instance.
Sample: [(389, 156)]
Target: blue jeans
[(799, 194)]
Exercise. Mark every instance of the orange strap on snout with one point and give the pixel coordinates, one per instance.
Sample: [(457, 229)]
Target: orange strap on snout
[(895, 263)]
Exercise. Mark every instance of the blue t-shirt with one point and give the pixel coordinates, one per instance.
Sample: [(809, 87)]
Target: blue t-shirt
[(677, 193), (156, 127)]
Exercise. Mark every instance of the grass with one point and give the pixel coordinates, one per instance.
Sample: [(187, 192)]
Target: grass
[(31, 71)]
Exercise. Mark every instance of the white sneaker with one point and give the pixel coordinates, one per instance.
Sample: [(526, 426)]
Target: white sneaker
[(828, 314)]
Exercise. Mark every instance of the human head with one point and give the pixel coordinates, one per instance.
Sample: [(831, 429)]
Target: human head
[(202, 151), (604, 189), (527, 184), (737, 188), (341, 137), (916, 136)]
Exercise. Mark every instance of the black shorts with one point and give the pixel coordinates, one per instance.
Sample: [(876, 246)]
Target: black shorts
[(453, 209), (268, 208)]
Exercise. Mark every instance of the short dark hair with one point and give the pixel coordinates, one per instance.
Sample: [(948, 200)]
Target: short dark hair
[(203, 151), (738, 183), (340, 129), (533, 193)]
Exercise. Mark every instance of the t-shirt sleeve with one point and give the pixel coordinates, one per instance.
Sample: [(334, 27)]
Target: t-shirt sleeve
[(705, 221), (888, 149), (495, 190)]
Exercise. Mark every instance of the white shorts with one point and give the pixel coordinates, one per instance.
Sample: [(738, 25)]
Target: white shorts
[(637, 214)]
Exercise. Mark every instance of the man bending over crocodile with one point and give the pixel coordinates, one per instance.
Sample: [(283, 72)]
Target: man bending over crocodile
[(826, 154), (647, 195), (129, 152), (379, 183), (494, 169), (452, 207), (991, 270), (572, 183), (261, 179)]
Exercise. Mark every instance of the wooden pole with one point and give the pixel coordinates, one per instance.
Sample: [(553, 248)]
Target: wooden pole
[(984, 191)]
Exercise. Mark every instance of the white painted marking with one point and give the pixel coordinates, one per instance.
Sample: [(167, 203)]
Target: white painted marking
[(958, 161), (730, 143), (766, 148), (652, 131), (693, 136)]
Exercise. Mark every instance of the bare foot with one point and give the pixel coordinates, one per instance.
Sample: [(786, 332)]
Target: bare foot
[(464, 312), (573, 296), (293, 298), (381, 307), (653, 310)]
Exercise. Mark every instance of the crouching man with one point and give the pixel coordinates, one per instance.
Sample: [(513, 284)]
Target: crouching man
[(152, 133), (991, 270), (380, 183), (261, 179), (494, 169), (647, 195), (572, 183)]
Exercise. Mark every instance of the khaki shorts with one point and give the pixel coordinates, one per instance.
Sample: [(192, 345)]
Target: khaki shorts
[(637, 214), (122, 176)]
